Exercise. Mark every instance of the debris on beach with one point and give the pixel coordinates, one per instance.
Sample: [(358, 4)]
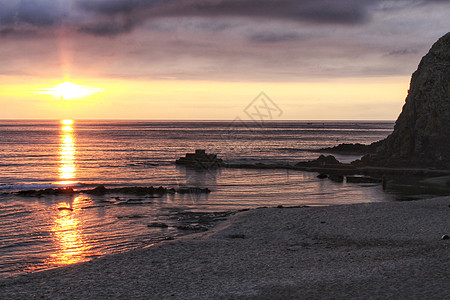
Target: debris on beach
[(236, 236)]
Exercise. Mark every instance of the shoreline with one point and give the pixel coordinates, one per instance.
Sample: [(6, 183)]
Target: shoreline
[(347, 169), (371, 250)]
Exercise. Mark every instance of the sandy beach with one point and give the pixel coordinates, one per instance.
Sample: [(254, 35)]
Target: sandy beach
[(372, 251)]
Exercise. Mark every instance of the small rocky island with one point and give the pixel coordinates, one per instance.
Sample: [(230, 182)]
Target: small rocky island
[(200, 159)]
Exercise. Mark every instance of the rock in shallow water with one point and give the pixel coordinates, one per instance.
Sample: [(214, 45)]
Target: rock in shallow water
[(158, 225), (47, 192), (363, 179), (193, 227), (336, 178)]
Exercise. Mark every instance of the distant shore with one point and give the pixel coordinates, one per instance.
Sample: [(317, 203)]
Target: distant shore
[(375, 250)]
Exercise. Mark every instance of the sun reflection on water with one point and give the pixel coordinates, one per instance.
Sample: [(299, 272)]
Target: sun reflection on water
[(67, 122), (67, 151), (70, 244)]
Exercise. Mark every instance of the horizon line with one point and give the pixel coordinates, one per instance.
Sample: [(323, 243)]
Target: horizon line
[(199, 120)]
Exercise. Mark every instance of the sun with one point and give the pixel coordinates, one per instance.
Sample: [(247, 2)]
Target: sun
[(68, 91)]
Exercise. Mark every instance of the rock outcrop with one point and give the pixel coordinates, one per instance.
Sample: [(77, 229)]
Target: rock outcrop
[(200, 159), (421, 136), (352, 149), (322, 161)]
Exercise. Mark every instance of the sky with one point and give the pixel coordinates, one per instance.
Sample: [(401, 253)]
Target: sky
[(210, 59)]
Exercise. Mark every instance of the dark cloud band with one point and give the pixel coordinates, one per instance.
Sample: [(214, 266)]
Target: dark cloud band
[(113, 17)]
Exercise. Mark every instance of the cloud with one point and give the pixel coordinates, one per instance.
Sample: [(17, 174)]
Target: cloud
[(344, 12), (40, 13), (113, 17), (276, 37), (321, 11), (108, 28), (402, 52), (112, 7), (273, 40), (6, 31), (19, 32)]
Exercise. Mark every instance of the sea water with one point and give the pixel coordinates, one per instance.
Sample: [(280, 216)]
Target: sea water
[(37, 234)]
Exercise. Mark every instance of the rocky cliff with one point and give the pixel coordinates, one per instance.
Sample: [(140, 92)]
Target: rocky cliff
[(421, 136)]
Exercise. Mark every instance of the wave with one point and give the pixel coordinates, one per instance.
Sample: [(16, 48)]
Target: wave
[(292, 149), (34, 186), (15, 214)]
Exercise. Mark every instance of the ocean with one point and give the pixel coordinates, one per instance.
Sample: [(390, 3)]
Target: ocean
[(36, 234)]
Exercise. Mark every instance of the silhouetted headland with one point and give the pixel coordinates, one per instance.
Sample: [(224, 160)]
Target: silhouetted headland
[(418, 146), (353, 149), (421, 136)]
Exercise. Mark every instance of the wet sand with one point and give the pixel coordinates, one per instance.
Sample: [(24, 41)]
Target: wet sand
[(371, 251)]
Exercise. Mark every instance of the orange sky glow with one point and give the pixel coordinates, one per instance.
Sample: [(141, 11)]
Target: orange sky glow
[(317, 60), (350, 98)]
